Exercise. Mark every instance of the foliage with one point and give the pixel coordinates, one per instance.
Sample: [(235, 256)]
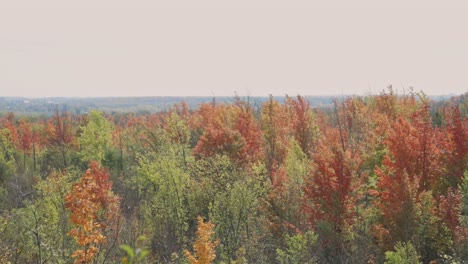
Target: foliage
[(134, 256), (163, 186), (93, 207), (404, 253), (281, 180), (204, 248), (298, 249), (95, 137), (233, 212)]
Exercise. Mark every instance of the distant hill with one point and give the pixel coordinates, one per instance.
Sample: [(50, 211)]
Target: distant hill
[(78, 105)]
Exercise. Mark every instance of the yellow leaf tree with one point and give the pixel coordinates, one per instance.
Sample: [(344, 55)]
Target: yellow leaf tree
[(204, 246)]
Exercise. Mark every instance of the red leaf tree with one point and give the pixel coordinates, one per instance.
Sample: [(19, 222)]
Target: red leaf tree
[(303, 124), (60, 133), (412, 166), (456, 133), (330, 192)]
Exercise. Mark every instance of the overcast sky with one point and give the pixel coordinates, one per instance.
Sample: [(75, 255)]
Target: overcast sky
[(138, 48)]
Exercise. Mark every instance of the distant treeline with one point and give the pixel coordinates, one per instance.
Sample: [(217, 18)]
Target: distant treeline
[(141, 105)]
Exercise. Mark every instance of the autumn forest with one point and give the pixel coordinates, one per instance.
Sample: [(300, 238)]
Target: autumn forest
[(367, 179)]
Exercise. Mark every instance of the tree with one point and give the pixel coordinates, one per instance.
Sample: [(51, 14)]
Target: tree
[(51, 216), (330, 187), (461, 238), (204, 246), (247, 126), (94, 208), (303, 124), (7, 157), (276, 132), (412, 166), (456, 133), (298, 249), (95, 137), (219, 133), (284, 201), (178, 132), (60, 133), (162, 183), (26, 140), (43, 223), (404, 253), (432, 238), (330, 193), (234, 213)]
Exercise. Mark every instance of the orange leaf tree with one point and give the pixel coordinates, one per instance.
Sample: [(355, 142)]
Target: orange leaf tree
[(229, 130), (93, 207), (276, 133)]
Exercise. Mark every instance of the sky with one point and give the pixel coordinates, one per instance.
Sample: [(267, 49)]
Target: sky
[(218, 48)]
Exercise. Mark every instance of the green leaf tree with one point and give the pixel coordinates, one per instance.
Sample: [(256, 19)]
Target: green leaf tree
[(298, 249), (95, 137), (404, 253), (163, 186)]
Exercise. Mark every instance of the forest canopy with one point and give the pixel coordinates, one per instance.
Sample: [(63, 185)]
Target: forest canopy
[(358, 179)]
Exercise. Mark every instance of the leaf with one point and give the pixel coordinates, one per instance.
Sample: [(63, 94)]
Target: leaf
[(128, 250)]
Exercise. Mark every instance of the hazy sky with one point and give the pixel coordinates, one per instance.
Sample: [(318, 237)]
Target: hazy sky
[(145, 48)]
